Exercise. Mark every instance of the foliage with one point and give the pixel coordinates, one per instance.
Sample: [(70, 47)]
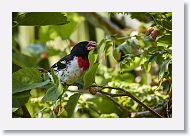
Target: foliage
[(26, 79), (40, 19), (90, 73), (139, 61)]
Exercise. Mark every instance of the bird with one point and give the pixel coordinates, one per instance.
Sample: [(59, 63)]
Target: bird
[(71, 67)]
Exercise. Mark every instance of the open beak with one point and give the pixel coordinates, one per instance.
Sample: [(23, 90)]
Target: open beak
[(91, 46)]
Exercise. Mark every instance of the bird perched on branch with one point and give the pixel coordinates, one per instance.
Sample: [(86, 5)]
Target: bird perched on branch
[(71, 67)]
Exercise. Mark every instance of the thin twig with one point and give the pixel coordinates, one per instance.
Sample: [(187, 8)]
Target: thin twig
[(119, 105), (126, 93), (42, 70)]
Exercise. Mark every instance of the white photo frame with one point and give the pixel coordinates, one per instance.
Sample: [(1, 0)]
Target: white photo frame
[(174, 123)]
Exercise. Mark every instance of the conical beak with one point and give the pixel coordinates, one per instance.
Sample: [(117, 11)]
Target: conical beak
[(91, 46)]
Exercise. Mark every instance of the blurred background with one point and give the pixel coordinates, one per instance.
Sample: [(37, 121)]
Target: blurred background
[(135, 52)]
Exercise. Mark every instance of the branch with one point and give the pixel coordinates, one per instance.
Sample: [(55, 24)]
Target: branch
[(42, 70), (126, 93), (102, 22), (146, 113)]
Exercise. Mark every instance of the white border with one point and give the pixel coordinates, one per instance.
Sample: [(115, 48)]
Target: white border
[(174, 123)]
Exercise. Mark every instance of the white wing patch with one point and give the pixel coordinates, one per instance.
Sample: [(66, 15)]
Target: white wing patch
[(63, 62)]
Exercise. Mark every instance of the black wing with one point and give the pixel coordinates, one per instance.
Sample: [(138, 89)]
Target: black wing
[(62, 63)]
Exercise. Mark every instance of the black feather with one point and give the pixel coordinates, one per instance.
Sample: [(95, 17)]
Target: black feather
[(60, 65)]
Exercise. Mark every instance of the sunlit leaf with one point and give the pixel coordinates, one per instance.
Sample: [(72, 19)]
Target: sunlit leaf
[(89, 76), (147, 66), (111, 115), (104, 105)]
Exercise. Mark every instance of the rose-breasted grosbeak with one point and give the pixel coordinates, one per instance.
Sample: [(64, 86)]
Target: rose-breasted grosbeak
[(71, 67)]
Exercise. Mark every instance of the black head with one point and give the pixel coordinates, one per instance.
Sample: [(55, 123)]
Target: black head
[(82, 49)]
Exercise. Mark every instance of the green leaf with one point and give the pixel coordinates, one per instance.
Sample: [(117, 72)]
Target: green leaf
[(111, 115), (104, 105), (50, 95), (55, 78), (107, 47), (92, 57), (163, 69), (20, 99), (101, 43), (167, 24), (14, 45), (23, 60), (141, 16), (147, 66), (71, 104), (167, 39), (55, 91), (152, 58), (26, 79), (66, 30), (41, 18), (51, 32), (47, 33), (89, 76)]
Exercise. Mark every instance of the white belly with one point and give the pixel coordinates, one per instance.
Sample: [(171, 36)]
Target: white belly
[(70, 74)]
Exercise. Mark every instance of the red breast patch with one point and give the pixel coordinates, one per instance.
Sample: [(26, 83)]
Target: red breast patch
[(83, 63)]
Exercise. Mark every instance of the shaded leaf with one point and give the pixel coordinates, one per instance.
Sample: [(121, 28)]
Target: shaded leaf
[(152, 57), (167, 39), (141, 16), (163, 68), (20, 99), (167, 24), (71, 104), (23, 60), (41, 18), (107, 47), (26, 79), (50, 95), (55, 91), (55, 78)]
